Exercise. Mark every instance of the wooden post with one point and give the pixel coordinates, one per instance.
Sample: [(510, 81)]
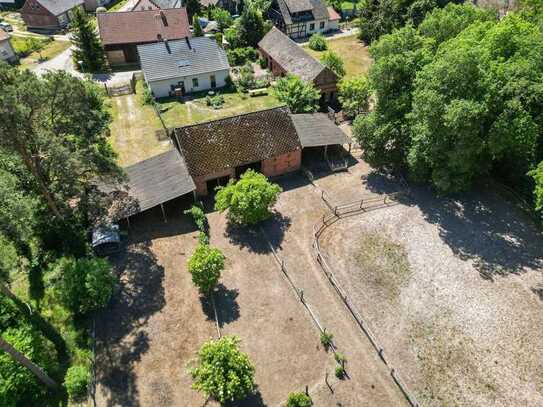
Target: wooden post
[(325, 151), (163, 213)]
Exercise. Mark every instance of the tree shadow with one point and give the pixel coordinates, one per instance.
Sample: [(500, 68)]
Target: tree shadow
[(251, 238), (121, 332), (538, 291), (253, 400), (381, 182), (225, 302)]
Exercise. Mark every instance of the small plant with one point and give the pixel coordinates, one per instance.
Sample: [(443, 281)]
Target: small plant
[(77, 382), (299, 399), (340, 372), (317, 42), (215, 101), (147, 97), (263, 62), (203, 238), (327, 339), (205, 266), (198, 215), (340, 358)]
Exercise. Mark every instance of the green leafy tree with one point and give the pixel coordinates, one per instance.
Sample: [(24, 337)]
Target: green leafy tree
[(250, 27), (299, 96), (248, 200), (77, 381), (222, 17), (332, 61), (193, 8), (299, 400), (537, 175), (57, 127), (317, 42), (223, 372), (88, 53), (205, 266), (353, 94), (82, 285), (198, 32)]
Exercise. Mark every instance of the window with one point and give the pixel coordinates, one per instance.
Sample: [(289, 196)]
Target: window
[(213, 81), (311, 26), (322, 25), (194, 82)]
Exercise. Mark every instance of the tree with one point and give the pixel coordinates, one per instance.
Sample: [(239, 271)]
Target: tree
[(332, 61), (193, 8), (537, 175), (223, 372), (82, 285), (205, 266), (88, 53), (317, 42), (77, 382), (198, 32), (299, 96), (353, 95), (248, 200), (299, 400), (222, 17), (57, 127), (250, 26)]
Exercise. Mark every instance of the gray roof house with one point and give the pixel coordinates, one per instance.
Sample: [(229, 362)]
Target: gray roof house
[(49, 15), (175, 68), (301, 18)]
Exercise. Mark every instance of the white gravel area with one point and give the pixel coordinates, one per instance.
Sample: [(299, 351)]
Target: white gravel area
[(465, 327)]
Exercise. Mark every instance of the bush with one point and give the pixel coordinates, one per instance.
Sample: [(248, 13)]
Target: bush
[(327, 339), (203, 238), (340, 358), (205, 266), (241, 56), (223, 371), (333, 62), (82, 285), (215, 101), (246, 78), (147, 97), (263, 62), (340, 372), (299, 400), (353, 94), (198, 215), (317, 42), (299, 96), (24, 46), (77, 382), (248, 200)]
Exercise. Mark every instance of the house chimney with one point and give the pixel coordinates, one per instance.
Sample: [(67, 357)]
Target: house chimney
[(188, 43)]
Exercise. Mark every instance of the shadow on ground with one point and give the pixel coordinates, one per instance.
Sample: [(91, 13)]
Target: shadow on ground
[(121, 329), (226, 304), (481, 226), (253, 400), (251, 237)]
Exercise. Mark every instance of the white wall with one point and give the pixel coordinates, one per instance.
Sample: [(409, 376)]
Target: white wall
[(328, 26), (6, 51), (162, 88)]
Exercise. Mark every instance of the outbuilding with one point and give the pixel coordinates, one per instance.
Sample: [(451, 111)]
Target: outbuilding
[(49, 15)]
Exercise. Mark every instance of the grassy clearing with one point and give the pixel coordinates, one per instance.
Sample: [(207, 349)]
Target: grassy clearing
[(177, 113), (384, 262), (49, 50), (354, 54), (134, 129), (115, 6)]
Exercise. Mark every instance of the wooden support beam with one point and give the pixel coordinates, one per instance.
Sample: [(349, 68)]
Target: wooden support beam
[(163, 213)]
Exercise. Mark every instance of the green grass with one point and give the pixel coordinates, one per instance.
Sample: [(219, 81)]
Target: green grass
[(355, 55), (115, 6), (49, 50), (176, 114), (134, 129)]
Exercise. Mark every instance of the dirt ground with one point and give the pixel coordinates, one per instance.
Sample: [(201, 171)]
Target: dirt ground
[(462, 320)]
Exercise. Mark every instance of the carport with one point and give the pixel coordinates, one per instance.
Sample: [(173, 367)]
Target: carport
[(157, 180)]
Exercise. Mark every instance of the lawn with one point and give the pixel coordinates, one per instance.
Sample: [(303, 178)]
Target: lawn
[(354, 54), (177, 113), (115, 6), (45, 50), (134, 129)]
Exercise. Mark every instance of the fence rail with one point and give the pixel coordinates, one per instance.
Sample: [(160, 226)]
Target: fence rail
[(336, 213)]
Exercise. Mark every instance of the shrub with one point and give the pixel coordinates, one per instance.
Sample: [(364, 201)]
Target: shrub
[(198, 215), (317, 42), (218, 39), (263, 62), (147, 97), (299, 400), (246, 78), (205, 266), (340, 372), (333, 62), (299, 96), (24, 46), (354, 95), (248, 200), (327, 339), (340, 358), (215, 101), (203, 238), (77, 381), (83, 285), (223, 371), (241, 56)]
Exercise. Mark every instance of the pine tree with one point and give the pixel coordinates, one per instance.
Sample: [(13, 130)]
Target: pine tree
[(88, 53)]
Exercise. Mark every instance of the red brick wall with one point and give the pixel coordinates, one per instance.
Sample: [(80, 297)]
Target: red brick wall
[(282, 164), (34, 15), (201, 182)]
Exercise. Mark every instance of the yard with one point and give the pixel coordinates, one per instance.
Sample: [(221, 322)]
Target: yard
[(176, 113), (354, 54), (134, 129), (37, 49), (452, 288)]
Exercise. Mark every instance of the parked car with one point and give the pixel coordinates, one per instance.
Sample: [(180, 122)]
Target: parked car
[(6, 26), (106, 239)]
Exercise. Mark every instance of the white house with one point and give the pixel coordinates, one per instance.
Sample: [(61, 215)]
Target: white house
[(6, 50), (183, 66)]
